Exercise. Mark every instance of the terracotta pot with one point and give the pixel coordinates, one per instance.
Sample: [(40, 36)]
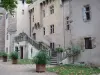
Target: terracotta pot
[(40, 68), (4, 58), (14, 61)]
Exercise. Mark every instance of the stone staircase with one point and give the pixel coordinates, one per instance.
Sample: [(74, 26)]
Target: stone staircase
[(39, 45), (53, 58)]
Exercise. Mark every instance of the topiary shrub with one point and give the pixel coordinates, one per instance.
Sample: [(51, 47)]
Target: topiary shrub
[(28, 1), (59, 50), (14, 55), (4, 54), (41, 58)]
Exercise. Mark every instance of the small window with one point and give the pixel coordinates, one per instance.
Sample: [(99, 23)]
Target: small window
[(7, 36), (13, 16), (43, 13), (52, 45), (23, 11), (16, 49), (88, 43), (86, 13), (6, 15), (33, 10), (68, 27), (52, 9), (43, 30), (32, 29), (34, 36), (68, 23), (7, 49), (33, 18), (51, 29), (31, 52), (36, 27)]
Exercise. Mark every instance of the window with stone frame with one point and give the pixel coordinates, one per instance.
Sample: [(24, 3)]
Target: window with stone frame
[(51, 29), (86, 13), (34, 36), (52, 45), (68, 23), (43, 30), (33, 18), (16, 48), (43, 11), (52, 9), (88, 43)]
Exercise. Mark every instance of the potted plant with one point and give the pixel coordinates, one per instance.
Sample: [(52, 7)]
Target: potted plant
[(74, 51), (4, 56), (28, 1), (14, 57), (59, 50), (41, 59)]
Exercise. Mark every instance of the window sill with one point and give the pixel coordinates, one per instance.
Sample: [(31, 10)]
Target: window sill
[(86, 21)]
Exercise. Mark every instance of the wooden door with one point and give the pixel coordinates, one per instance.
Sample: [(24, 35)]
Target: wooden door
[(21, 51)]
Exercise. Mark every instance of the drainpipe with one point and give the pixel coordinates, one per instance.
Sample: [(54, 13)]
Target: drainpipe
[(10, 49), (30, 21), (63, 24), (70, 15)]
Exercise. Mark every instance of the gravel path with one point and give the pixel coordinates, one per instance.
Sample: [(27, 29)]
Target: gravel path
[(6, 68)]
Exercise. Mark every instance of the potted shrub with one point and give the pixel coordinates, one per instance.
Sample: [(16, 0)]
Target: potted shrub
[(41, 59), (4, 56), (14, 57), (59, 50)]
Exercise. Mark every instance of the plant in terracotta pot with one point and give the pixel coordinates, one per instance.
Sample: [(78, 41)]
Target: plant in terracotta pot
[(14, 57), (4, 56), (41, 59)]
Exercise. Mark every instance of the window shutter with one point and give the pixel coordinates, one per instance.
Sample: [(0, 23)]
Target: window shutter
[(88, 43), (84, 13), (53, 28)]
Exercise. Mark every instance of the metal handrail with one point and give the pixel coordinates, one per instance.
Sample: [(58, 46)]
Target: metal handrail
[(25, 37)]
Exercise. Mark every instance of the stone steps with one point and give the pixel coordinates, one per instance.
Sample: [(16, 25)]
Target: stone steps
[(54, 60)]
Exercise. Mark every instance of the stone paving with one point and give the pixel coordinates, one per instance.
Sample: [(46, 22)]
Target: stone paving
[(6, 68)]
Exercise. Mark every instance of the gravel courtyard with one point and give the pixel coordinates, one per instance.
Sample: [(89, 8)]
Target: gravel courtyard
[(6, 68)]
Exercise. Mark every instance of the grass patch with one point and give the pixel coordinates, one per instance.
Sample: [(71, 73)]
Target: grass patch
[(25, 61), (73, 70)]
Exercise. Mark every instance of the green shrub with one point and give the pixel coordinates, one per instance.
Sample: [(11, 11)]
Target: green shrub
[(14, 55), (28, 1), (4, 54), (41, 58), (59, 49), (0, 54)]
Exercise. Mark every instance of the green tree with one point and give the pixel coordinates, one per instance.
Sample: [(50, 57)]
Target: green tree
[(9, 5), (28, 1)]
